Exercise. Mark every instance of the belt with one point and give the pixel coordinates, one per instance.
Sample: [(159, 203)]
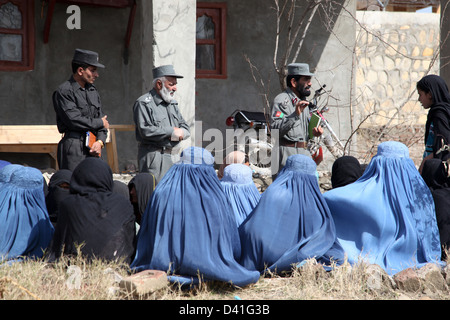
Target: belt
[(292, 144), (152, 148), (166, 150), (74, 134)]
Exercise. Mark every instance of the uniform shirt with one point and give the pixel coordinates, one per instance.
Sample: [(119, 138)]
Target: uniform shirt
[(79, 109), (284, 118), (155, 120)]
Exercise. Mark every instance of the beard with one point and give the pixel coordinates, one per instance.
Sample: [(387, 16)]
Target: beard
[(166, 94), (305, 91)]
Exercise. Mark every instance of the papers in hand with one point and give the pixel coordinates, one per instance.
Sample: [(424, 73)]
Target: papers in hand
[(90, 139), (314, 122)]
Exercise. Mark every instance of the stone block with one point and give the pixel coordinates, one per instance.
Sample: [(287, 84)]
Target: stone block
[(378, 280), (407, 280), (432, 277), (144, 283)]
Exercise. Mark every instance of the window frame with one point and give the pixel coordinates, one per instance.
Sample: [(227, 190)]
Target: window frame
[(26, 8), (217, 11)]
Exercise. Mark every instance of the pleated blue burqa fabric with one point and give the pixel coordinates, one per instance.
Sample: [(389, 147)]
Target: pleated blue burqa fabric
[(237, 182), (25, 227), (387, 216), (188, 229), (291, 222)]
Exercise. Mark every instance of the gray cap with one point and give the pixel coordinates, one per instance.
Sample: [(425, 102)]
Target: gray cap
[(163, 71), (299, 69), (86, 57)]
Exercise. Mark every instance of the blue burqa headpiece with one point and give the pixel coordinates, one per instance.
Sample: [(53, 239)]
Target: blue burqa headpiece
[(188, 228), (4, 163), (25, 228), (237, 182), (291, 222), (387, 217)]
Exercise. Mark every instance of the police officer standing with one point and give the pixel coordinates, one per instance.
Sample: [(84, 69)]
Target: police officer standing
[(159, 124), (290, 114), (79, 112)]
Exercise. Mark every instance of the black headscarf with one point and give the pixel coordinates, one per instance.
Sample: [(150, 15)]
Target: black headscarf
[(144, 183), (440, 107), (95, 215), (56, 194), (345, 170)]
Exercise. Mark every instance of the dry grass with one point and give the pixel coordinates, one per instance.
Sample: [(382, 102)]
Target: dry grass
[(77, 279)]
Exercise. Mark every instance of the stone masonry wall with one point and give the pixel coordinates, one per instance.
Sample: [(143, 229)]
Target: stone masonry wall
[(394, 50)]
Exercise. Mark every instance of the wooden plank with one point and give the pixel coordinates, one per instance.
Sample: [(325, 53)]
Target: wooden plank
[(45, 138), (29, 134)]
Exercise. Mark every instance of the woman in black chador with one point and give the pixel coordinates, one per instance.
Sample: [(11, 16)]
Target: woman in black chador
[(95, 217)]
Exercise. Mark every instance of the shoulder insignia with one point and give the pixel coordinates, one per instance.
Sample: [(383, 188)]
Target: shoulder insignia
[(278, 114)]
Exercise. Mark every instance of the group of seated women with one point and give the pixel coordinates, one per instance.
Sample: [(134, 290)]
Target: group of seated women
[(197, 227)]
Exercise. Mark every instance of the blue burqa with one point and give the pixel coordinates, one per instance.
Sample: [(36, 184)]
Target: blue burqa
[(387, 216), (188, 229), (291, 222), (25, 227), (237, 182)]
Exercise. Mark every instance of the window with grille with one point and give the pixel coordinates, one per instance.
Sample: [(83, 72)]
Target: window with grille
[(211, 40), (16, 35)]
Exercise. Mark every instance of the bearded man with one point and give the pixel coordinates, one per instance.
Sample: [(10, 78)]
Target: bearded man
[(159, 124), (290, 115)]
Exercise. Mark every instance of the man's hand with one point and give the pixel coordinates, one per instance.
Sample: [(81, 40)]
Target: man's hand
[(317, 131), (96, 149), (177, 134), (300, 106), (105, 122)]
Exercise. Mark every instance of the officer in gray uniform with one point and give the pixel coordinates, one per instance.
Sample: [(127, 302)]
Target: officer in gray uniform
[(79, 110), (159, 124), (290, 114)]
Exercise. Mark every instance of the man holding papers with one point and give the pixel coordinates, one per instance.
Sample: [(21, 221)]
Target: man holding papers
[(290, 114)]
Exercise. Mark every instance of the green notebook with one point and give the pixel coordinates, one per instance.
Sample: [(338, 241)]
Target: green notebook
[(313, 123)]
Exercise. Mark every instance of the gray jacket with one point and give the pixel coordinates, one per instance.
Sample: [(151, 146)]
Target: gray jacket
[(283, 117), (155, 120)]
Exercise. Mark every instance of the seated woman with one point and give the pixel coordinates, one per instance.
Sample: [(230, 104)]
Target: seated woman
[(141, 188), (188, 228), (58, 190), (94, 217), (232, 157), (237, 182), (25, 227), (291, 222), (345, 170), (387, 216)]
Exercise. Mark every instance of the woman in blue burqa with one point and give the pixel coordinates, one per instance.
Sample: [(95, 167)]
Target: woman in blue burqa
[(291, 223), (25, 227), (238, 185), (387, 217), (189, 229)]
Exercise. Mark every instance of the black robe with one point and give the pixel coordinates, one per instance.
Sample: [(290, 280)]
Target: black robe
[(439, 113), (56, 194), (144, 183), (94, 216), (435, 175)]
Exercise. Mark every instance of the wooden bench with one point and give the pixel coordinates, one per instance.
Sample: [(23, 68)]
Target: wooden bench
[(45, 138)]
